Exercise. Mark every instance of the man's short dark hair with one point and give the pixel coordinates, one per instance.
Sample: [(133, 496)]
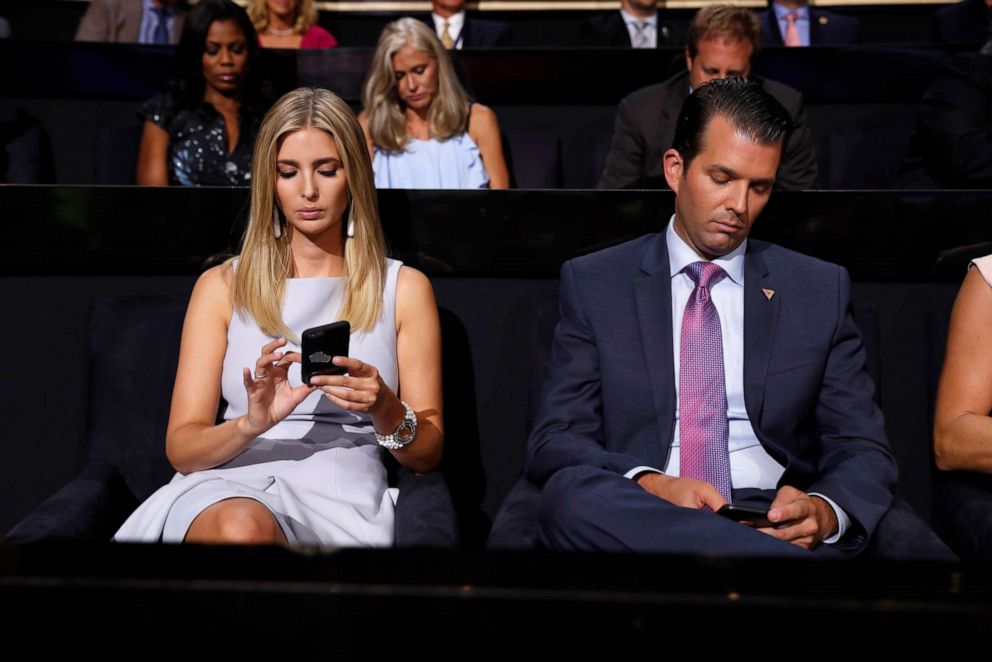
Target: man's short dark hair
[(727, 21), (753, 112)]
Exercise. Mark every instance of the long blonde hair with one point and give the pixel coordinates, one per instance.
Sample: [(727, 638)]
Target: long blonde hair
[(448, 113), (306, 16), (266, 261)]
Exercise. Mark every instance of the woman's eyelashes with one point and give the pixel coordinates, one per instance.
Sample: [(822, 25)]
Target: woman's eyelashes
[(324, 172)]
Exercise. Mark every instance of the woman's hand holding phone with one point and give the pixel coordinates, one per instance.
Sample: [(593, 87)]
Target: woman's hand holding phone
[(361, 389), (271, 398)]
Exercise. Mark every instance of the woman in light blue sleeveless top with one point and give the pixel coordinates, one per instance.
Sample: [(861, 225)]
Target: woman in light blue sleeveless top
[(293, 462), (422, 131)]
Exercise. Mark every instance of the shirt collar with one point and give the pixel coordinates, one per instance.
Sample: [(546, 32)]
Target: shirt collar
[(681, 255), (151, 4), (802, 12), (455, 23), (629, 18)]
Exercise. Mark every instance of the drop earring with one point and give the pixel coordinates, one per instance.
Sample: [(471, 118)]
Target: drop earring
[(276, 225), (351, 223)]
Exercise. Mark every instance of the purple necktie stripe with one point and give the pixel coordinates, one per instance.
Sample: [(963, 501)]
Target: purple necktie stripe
[(703, 428)]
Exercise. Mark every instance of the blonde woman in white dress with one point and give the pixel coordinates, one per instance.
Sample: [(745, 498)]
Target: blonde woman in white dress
[(294, 463)]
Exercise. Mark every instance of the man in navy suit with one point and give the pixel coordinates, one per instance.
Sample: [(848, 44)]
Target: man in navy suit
[(457, 29), (636, 24), (814, 27), (801, 433)]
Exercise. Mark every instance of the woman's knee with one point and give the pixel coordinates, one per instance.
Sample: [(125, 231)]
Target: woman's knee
[(236, 521)]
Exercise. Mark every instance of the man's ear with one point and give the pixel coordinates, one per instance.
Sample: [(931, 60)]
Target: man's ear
[(688, 59), (674, 166)]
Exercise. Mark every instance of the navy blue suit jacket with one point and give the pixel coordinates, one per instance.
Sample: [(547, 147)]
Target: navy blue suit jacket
[(480, 32), (825, 28), (609, 396)]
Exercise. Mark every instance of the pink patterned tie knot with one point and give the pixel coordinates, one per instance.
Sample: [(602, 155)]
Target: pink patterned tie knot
[(703, 427), (705, 274), (792, 29)]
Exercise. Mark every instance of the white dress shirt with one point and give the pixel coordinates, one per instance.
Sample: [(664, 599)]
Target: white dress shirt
[(150, 20), (650, 37), (456, 22), (750, 463)]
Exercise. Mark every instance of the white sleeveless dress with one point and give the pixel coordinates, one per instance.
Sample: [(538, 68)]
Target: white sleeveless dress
[(320, 470)]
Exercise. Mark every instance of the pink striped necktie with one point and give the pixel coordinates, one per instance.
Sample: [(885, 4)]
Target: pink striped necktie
[(792, 30), (703, 428)]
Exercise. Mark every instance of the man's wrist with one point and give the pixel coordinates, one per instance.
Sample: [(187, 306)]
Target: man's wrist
[(826, 518)]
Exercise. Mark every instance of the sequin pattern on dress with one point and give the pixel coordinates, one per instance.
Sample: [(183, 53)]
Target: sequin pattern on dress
[(198, 154)]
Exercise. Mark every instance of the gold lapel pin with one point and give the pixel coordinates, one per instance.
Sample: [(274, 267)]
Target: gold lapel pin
[(768, 293), (823, 20)]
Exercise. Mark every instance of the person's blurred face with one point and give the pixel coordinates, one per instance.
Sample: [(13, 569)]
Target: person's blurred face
[(311, 185), (225, 57), (416, 77), (718, 57), (447, 7), (643, 8), (284, 9), (721, 192)]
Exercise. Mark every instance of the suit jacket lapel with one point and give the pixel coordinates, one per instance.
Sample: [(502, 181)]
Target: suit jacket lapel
[(620, 36), (815, 28), (760, 321), (653, 298), (773, 29), (677, 91), (129, 27)]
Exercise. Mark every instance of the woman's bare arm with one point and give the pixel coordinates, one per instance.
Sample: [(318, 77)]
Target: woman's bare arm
[(363, 121), (193, 441), (153, 156), (962, 426), (418, 356), (484, 130)]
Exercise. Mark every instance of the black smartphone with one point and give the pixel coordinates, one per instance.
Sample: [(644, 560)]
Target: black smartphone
[(756, 517), (319, 345)]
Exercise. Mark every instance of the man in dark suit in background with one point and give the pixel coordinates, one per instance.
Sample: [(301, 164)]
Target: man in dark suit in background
[(458, 29), (968, 22), (636, 24), (133, 21), (795, 23), (951, 146), (722, 40), (695, 367)]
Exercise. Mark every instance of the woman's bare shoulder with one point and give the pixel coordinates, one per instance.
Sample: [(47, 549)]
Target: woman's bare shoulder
[(213, 290)]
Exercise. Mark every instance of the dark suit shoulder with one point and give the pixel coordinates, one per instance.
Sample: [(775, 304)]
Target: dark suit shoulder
[(803, 267), (620, 261), (786, 95), (605, 30), (672, 91), (485, 32)]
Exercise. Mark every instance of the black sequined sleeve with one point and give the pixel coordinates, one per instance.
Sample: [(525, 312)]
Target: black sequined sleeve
[(160, 110)]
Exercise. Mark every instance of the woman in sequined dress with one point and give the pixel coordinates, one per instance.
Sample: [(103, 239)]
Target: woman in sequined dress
[(289, 24), (201, 132)]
